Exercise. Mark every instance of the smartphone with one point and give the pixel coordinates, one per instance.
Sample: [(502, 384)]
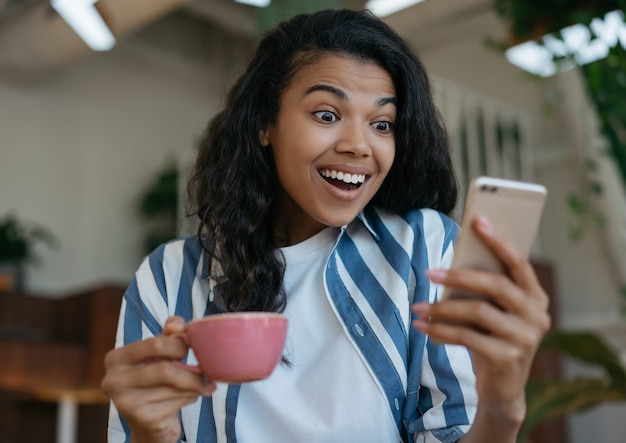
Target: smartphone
[(514, 209)]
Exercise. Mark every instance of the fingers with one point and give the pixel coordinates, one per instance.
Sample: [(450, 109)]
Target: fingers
[(168, 400), (518, 291), (518, 266), (496, 350), (149, 349), (148, 393), (148, 383), (514, 307), (464, 321), (165, 346), (502, 326), (154, 362), (162, 373), (498, 288), (174, 325), (151, 364), (521, 292), (155, 417)]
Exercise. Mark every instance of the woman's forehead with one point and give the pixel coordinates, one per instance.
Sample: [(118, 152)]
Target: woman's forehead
[(339, 68)]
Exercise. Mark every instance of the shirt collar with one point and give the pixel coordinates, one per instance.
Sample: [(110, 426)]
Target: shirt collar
[(363, 216), (366, 218)]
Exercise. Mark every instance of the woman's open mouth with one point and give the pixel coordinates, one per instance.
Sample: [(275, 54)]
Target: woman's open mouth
[(342, 180)]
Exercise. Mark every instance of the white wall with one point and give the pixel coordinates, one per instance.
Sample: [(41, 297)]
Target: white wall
[(79, 148), (589, 283)]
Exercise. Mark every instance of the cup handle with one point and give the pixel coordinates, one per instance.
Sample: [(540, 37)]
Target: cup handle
[(192, 368)]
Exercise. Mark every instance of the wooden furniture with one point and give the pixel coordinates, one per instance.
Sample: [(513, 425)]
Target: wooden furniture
[(548, 364), (68, 402), (52, 359)]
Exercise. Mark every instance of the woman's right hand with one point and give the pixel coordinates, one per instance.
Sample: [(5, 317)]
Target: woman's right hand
[(148, 386)]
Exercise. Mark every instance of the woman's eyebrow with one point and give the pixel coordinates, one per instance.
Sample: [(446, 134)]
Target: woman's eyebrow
[(343, 96), (386, 100), (328, 88)]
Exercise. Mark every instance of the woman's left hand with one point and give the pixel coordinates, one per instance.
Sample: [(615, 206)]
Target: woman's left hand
[(503, 335)]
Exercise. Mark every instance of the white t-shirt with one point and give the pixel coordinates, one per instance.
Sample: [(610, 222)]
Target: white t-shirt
[(328, 393)]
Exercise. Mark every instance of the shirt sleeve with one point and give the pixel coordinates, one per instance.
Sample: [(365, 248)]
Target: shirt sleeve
[(141, 317), (447, 398), (136, 322)]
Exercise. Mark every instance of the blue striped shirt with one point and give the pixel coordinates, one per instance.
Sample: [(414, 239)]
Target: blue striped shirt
[(374, 273)]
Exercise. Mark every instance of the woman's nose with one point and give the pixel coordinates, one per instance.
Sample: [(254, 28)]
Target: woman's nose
[(355, 140)]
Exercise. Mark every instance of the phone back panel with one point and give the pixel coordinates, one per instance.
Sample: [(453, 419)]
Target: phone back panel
[(513, 208)]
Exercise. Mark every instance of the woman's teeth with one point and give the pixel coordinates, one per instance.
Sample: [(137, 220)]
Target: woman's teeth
[(345, 177)]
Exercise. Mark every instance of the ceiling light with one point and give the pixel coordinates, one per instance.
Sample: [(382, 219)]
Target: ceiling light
[(381, 8), (577, 43), (257, 3), (85, 20)]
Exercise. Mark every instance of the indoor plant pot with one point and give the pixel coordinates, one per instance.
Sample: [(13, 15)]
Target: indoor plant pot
[(17, 248)]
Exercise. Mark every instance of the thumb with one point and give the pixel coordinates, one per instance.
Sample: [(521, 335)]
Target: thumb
[(174, 325)]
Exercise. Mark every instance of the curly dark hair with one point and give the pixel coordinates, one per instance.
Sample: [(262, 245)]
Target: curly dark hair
[(235, 182)]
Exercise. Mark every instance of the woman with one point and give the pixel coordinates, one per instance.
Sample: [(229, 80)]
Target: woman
[(321, 191)]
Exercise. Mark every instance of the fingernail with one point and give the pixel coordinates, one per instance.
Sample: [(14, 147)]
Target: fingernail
[(420, 325), (208, 389), (484, 224), (436, 274), (420, 308)]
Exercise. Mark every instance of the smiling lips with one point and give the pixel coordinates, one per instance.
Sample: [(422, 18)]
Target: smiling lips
[(344, 180)]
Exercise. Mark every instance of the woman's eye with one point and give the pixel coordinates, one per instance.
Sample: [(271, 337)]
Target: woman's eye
[(383, 126), (326, 116)]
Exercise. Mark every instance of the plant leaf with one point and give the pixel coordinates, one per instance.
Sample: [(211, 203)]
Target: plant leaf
[(552, 398), (589, 348)]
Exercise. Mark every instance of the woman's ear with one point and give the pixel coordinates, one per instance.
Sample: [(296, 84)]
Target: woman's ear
[(264, 137)]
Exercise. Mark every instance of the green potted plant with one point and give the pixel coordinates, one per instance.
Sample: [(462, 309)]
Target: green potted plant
[(554, 397), (159, 205), (17, 248)]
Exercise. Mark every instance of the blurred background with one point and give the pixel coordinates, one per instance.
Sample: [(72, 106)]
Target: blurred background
[(97, 137)]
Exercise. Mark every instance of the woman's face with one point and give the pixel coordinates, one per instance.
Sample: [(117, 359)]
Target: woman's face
[(333, 144)]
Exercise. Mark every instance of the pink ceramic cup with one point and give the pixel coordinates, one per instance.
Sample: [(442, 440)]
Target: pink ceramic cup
[(237, 347)]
